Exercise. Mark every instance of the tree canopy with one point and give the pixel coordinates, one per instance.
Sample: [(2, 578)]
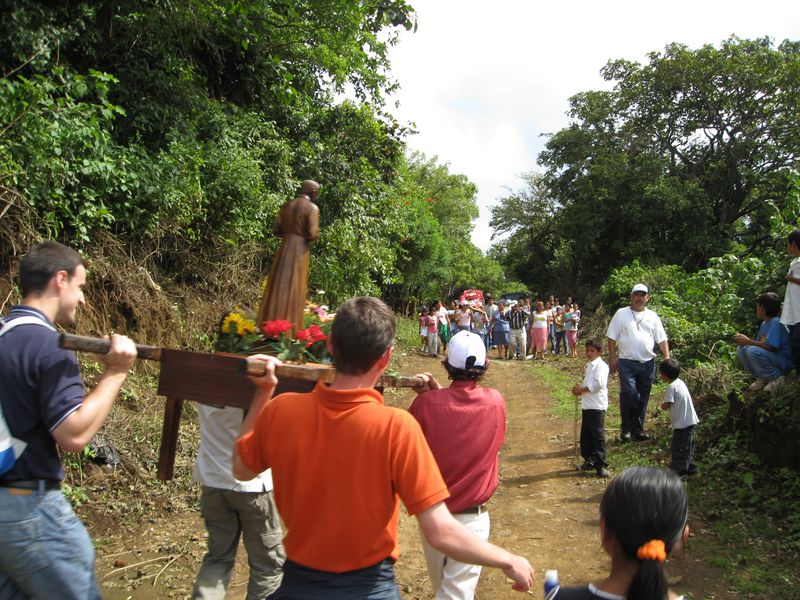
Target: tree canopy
[(184, 126), (686, 158)]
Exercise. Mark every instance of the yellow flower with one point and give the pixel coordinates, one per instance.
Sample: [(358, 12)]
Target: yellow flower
[(248, 327), (237, 324)]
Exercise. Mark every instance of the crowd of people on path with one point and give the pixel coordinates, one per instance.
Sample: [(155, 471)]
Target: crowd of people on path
[(341, 461), (519, 330)]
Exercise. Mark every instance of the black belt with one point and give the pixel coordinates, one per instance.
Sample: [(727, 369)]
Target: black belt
[(473, 510), (40, 485)]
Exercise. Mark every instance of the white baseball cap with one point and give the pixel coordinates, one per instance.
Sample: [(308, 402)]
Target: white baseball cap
[(466, 350), (639, 287)]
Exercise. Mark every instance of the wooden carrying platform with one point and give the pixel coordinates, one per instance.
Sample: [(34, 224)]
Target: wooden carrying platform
[(216, 379)]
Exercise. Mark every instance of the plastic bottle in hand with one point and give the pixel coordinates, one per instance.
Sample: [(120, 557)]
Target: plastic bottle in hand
[(551, 584)]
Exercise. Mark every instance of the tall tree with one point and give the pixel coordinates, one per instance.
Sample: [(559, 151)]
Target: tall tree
[(527, 222), (725, 118), (686, 156), (435, 254)]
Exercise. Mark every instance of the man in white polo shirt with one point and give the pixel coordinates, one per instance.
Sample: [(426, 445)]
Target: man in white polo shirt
[(234, 509), (632, 336)]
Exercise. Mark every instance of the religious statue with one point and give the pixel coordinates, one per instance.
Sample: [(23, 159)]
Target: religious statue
[(298, 225)]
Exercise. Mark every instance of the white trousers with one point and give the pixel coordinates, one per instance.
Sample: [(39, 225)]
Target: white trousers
[(453, 580), (518, 341), (432, 346)]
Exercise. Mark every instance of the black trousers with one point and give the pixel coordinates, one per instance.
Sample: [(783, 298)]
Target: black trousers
[(794, 342), (683, 450), (593, 437)]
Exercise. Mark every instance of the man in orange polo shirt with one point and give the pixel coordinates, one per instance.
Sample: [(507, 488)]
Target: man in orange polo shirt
[(341, 461)]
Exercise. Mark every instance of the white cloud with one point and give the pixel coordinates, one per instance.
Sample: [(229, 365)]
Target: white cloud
[(483, 81)]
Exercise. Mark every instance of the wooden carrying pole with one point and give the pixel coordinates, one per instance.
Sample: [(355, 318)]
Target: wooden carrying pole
[(305, 372), (215, 379), (312, 373), (94, 345)]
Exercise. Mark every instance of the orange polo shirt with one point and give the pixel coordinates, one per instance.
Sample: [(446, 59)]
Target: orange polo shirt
[(340, 460)]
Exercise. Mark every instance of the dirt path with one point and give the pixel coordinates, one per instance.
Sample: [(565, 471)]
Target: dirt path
[(544, 509)]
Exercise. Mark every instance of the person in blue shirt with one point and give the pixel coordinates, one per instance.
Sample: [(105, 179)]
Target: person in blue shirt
[(501, 330), (46, 551), (768, 357)]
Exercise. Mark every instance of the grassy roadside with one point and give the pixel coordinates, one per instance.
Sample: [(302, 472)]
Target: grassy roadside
[(753, 512)]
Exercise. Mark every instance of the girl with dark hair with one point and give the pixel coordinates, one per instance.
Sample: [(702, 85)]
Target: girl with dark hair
[(558, 319), (643, 516)]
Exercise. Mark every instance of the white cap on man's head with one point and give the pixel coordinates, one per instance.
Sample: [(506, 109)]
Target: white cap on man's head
[(466, 350), (640, 287)]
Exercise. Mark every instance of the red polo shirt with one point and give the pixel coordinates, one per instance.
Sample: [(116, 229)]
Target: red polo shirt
[(465, 426)]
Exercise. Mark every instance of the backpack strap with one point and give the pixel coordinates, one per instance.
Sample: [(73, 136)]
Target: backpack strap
[(27, 320), (10, 447)]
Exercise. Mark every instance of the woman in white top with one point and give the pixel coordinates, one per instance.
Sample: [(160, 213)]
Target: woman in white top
[(463, 317), (479, 324), (540, 320)]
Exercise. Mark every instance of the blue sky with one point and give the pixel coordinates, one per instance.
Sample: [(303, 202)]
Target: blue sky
[(483, 81)]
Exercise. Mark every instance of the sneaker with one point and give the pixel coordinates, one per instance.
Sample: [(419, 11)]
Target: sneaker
[(640, 437), (757, 384), (588, 466), (603, 472), (624, 437), (774, 384), (692, 470)]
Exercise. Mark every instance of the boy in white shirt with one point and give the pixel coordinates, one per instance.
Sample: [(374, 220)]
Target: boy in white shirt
[(678, 401), (790, 316), (594, 403)]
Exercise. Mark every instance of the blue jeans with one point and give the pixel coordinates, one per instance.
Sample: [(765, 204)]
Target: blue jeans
[(560, 342), (635, 381), (45, 550), (759, 362), (484, 338), (370, 583)]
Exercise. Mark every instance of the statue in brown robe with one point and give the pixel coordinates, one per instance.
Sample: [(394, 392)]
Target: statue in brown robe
[(298, 225)]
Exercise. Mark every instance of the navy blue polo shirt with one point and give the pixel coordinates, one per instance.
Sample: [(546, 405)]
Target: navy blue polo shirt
[(40, 386)]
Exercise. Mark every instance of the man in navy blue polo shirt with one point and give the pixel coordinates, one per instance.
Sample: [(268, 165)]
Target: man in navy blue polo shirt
[(45, 550)]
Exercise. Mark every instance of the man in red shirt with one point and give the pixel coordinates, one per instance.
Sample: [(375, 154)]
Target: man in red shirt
[(465, 425), (341, 460)]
